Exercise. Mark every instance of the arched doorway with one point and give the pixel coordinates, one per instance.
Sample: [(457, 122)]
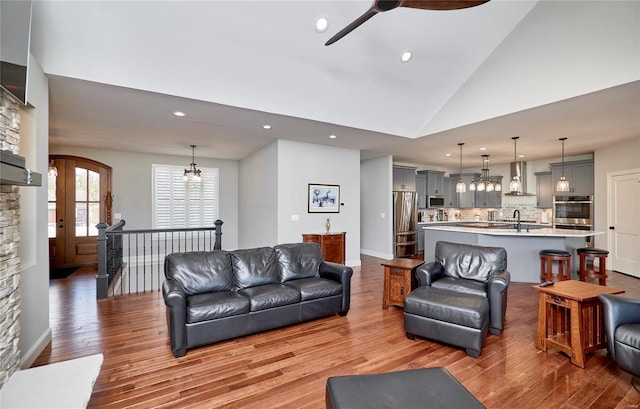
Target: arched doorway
[(79, 198)]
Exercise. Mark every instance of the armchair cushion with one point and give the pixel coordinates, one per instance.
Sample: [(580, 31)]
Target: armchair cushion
[(461, 286), (477, 263)]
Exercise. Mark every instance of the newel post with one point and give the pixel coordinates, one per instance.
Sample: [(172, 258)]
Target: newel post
[(218, 243), (102, 279)]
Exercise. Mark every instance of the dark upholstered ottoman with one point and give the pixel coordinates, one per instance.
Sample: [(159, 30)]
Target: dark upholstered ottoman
[(447, 316), (418, 388)]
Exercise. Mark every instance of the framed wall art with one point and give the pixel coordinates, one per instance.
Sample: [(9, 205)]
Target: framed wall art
[(324, 198)]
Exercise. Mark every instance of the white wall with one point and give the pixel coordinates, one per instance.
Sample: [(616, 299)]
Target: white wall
[(622, 156), (258, 198), (300, 164), (376, 233), (131, 184), (35, 332)]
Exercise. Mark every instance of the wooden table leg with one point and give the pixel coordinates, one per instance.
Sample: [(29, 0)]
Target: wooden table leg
[(541, 334), (577, 343)]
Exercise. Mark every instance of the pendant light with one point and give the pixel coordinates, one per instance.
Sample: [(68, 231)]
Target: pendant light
[(53, 170), (193, 173), (485, 183), (563, 183), (515, 185), (460, 186)]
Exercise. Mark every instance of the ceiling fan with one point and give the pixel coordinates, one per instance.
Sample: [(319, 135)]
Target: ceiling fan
[(379, 6)]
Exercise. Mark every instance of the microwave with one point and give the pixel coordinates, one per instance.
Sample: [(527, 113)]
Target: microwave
[(435, 201)]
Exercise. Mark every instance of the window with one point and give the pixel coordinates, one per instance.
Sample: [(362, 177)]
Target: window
[(179, 204)]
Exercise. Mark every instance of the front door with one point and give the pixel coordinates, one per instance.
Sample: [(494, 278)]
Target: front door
[(79, 198), (624, 223)]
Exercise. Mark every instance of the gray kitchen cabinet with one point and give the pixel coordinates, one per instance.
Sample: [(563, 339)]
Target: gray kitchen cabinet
[(468, 198), (435, 181), (490, 199), (449, 187), (544, 190), (404, 178), (578, 173), (421, 188)]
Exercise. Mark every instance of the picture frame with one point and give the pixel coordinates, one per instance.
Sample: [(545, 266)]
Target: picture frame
[(323, 198)]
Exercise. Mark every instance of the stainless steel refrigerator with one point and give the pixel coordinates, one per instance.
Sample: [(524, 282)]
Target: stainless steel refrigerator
[(404, 224)]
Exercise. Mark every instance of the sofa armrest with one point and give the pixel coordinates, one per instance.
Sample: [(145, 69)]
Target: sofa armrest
[(428, 273), (497, 286), (618, 310), (341, 274), (176, 301)]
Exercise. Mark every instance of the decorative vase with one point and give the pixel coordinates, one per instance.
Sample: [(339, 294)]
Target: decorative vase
[(327, 225)]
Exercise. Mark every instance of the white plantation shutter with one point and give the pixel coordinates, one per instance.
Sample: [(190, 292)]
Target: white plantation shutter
[(178, 204)]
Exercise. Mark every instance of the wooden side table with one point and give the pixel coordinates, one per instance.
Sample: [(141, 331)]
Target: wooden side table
[(332, 245), (571, 318), (399, 280)]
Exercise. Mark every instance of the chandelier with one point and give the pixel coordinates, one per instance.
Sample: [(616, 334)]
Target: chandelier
[(485, 182), (193, 173)]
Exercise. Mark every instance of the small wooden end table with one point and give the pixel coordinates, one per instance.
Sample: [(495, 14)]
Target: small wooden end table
[(571, 318), (399, 280)]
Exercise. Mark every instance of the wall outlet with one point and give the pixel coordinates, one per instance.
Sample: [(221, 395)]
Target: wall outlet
[(118, 216), (382, 215), (295, 217)]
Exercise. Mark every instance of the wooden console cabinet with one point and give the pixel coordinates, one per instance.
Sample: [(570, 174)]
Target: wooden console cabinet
[(332, 245)]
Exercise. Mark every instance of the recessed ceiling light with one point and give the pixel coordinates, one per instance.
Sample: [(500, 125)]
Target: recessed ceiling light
[(483, 149), (179, 113), (406, 56), (321, 24), (266, 126), (521, 156), (447, 154), (332, 136)]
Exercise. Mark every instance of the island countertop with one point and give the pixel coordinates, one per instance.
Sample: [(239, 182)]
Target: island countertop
[(533, 232), (523, 248)]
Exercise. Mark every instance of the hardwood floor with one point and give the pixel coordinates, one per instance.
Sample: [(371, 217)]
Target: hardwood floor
[(288, 368)]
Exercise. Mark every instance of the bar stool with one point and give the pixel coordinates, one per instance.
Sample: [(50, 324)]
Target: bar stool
[(563, 259), (589, 270)]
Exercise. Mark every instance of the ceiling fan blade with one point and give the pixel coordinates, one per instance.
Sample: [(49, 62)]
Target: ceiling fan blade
[(354, 24), (441, 4)]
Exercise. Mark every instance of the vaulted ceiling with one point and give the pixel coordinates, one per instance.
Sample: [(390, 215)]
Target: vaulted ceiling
[(539, 70)]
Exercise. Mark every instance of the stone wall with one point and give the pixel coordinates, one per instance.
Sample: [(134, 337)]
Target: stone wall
[(9, 241)]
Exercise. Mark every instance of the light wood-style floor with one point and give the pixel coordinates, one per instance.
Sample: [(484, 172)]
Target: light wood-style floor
[(288, 368)]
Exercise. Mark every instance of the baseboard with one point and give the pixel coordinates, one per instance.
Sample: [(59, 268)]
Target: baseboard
[(34, 352), (376, 254), (354, 263)]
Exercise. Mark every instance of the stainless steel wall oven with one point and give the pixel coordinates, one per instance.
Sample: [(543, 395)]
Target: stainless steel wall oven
[(573, 212)]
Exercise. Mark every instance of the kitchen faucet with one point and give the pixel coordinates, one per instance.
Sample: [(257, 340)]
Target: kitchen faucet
[(518, 226)]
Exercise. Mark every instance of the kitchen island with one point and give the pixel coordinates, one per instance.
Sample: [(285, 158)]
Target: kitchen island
[(523, 248)]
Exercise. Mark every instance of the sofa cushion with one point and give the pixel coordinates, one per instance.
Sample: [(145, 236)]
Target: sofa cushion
[(254, 267), (200, 271), (269, 296), (210, 306), (314, 288), (298, 260), (472, 262), (461, 286)]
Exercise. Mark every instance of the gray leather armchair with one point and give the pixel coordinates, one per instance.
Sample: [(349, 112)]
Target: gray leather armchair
[(622, 328), (471, 269)]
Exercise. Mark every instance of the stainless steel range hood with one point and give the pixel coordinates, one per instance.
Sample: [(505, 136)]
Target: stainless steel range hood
[(13, 171), (518, 169)]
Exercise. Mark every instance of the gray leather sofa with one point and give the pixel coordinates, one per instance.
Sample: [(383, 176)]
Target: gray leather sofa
[(622, 328), (218, 295), (460, 297)]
